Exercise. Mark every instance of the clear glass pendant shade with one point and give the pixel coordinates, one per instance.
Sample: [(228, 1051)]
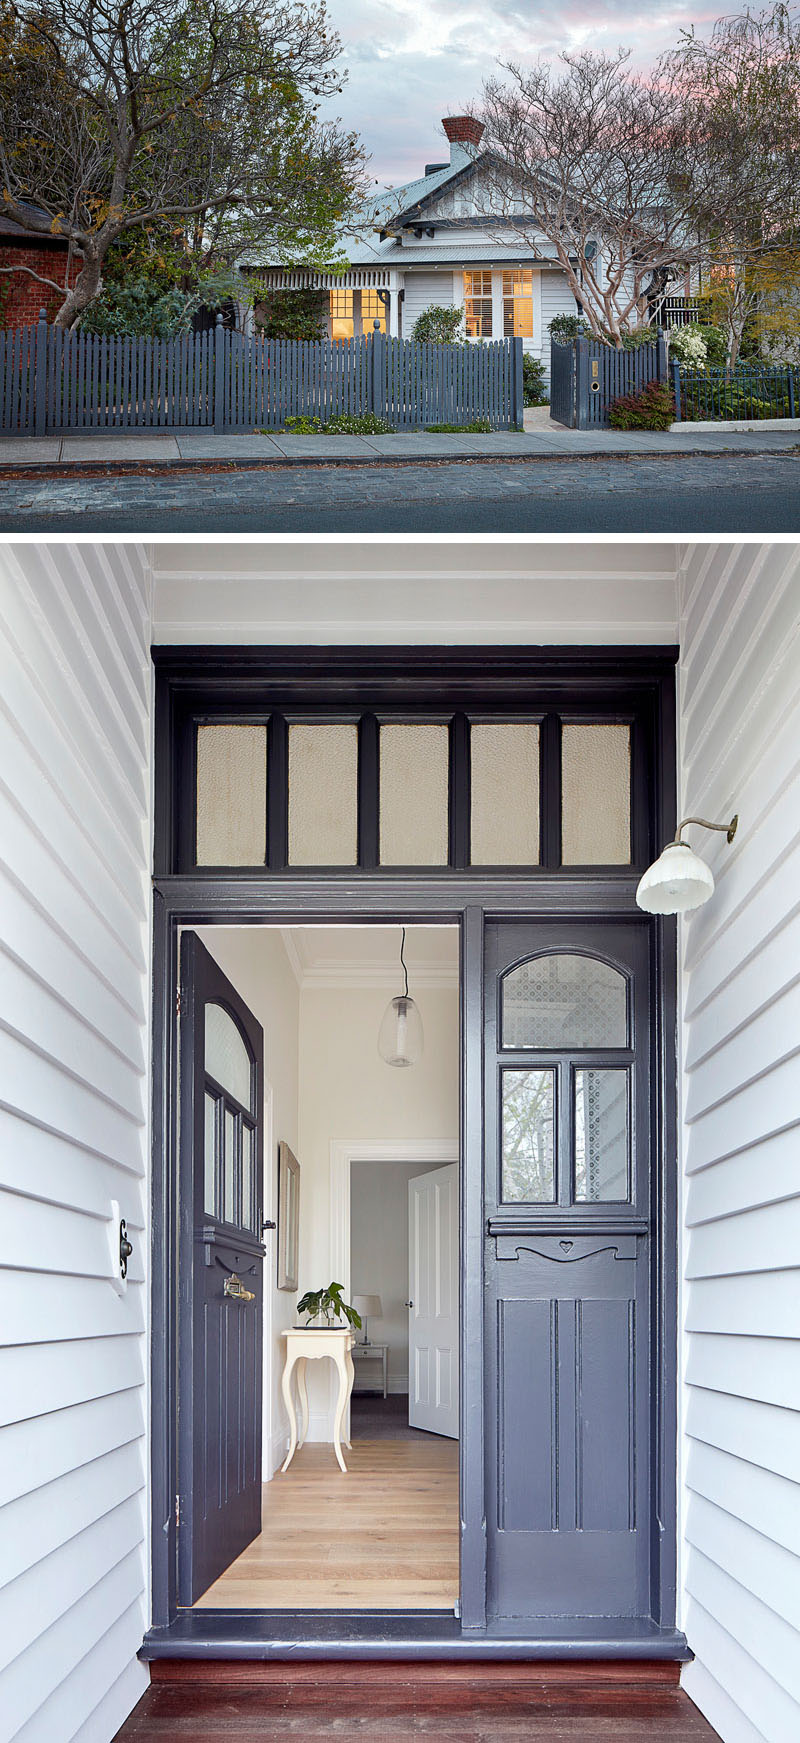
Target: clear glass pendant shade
[(676, 882), (400, 1037)]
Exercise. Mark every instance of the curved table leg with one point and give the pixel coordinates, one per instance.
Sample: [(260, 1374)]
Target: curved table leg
[(288, 1399), (341, 1406), (303, 1395), (351, 1373)]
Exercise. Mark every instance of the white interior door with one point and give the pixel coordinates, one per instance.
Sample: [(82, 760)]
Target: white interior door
[(433, 1301)]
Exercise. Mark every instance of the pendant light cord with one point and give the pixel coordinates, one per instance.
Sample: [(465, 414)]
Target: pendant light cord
[(403, 960)]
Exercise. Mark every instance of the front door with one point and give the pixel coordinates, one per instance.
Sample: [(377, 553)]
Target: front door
[(568, 1335), (221, 1312), (433, 1301)]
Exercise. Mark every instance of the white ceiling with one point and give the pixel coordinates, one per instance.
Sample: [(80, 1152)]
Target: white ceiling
[(415, 591), (369, 956)]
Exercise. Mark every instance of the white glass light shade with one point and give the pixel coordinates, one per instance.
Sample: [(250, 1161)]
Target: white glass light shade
[(400, 1037), (676, 882)]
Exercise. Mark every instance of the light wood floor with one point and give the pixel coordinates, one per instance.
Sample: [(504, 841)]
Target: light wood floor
[(383, 1536)]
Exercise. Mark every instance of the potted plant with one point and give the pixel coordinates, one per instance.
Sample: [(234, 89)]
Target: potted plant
[(328, 1305)]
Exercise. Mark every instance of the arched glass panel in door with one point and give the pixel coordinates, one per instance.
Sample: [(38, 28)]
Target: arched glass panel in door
[(564, 1000), (229, 1176)]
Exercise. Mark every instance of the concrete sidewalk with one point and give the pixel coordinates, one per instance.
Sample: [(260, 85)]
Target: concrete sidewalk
[(546, 441)]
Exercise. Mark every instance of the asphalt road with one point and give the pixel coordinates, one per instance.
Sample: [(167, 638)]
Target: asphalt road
[(674, 494)]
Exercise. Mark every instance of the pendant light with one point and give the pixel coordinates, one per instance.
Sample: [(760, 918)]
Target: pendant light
[(679, 879), (400, 1037)]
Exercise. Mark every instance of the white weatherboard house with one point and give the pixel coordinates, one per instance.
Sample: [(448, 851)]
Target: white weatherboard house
[(228, 776), (431, 242)]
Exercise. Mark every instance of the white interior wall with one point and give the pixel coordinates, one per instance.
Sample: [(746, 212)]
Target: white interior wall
[(348, 1092), (740, 751), (379, 1257), (255, 960), (74, 1099)]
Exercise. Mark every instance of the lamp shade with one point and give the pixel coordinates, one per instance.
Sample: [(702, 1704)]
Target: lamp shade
[(366, 1305), (676, 882), (400, 1037)]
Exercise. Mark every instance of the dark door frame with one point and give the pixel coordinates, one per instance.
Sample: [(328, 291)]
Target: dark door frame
[(467, 898)]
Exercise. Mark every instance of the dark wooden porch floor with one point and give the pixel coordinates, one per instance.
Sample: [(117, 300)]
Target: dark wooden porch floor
[(578, 1705)]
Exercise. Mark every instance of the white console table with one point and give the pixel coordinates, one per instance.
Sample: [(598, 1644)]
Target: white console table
[(306, 1345), (379, 1353)]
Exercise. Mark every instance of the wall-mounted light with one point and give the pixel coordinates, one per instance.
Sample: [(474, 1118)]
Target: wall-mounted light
[(679, 879), (400, 1037)]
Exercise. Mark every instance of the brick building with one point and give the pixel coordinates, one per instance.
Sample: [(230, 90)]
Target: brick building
[(22, 295)]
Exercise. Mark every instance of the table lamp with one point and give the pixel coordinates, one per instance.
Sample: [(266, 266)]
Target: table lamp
[(365, 1305)]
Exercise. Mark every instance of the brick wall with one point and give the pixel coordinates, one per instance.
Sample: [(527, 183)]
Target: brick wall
[(21, 301)]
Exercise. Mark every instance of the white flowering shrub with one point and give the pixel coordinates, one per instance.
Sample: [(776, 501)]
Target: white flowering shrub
[(688, 346), (781, 349)]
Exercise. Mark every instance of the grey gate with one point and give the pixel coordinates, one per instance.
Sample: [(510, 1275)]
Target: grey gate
[(586, 377), (569, 1462)]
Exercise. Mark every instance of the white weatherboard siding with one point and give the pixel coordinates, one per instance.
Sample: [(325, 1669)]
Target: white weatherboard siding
[(74, 979), (740, 747)]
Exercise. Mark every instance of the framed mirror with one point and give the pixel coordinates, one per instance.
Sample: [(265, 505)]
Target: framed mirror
[(288, 1216)]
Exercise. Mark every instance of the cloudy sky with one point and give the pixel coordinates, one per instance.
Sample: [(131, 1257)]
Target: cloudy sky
[(412, 61)]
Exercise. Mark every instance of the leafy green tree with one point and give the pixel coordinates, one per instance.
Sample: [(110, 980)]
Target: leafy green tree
[(194, 121)]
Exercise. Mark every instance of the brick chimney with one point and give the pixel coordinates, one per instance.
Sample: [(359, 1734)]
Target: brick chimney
[(463, 130)]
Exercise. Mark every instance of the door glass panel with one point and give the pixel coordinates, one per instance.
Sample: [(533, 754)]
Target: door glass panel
[(231, 795), (210, 1157), (564, 1000), (229, 1168), (504, 791), (227, 1058), (601, 1135), (527, 1149), (248, 1196), (596, 795)]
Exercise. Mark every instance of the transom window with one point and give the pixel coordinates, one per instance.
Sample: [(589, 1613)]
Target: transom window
[(478, 304), (518, 303)]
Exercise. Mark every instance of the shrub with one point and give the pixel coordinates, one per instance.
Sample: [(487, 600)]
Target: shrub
[(439, 326), (639, 336), (136, 307), (359, 424), (688, 346), (291, 314), (716, 345), (478, 427), (652, 409), (299, 426), (565, 328), (534, 391)]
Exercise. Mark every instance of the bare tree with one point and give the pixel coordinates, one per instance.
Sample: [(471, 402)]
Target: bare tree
[(115, 114)]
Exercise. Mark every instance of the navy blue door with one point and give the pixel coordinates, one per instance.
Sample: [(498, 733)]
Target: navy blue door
[(221, 1265), (568, 1196)]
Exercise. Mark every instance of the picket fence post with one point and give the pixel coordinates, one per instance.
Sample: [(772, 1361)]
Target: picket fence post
[(676, 384), (582, 384), (517, 387), (37, 376), (219, 376), (662, 366), (378, 375)]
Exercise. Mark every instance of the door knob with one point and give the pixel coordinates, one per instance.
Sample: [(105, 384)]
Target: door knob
[(234, 1288), (408, 1304)]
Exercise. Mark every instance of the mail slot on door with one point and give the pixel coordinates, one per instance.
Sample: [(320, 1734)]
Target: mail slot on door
[(595, 383)]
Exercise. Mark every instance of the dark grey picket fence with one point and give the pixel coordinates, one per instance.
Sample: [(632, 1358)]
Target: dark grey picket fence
[(53, 382), (585, 377), (751, 391)]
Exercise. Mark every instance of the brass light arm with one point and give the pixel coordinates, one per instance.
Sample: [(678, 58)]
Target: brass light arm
[(727, 829)]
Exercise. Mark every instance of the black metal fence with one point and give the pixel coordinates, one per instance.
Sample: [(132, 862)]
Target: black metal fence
[(53, 382), (586, 377), (749, 392)]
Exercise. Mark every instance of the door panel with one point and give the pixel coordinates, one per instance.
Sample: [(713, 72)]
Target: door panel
[(568, 1271), (433, 1287), (221, 1324)]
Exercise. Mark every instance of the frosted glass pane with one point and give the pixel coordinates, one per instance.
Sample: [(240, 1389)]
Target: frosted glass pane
[(227, 1058), (209, 1160), (231, 795), (528, 1149), (323, 795), (229, 1169), (601, 1135), (414, 795), (248, 1157), (596, 795), (505, 794), (564, 1001)]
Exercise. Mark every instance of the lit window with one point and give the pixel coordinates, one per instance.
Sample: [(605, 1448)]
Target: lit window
[(341, 314), (478, 304), (518, 304), (372, 309)]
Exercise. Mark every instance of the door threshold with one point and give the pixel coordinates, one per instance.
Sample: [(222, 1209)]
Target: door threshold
[(393, 1634)]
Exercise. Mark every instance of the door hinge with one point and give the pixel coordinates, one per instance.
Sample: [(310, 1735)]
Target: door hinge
[(177, 1510)]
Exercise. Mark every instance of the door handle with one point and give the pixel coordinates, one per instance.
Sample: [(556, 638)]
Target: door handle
[(408, 1304), (234, 1288)]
